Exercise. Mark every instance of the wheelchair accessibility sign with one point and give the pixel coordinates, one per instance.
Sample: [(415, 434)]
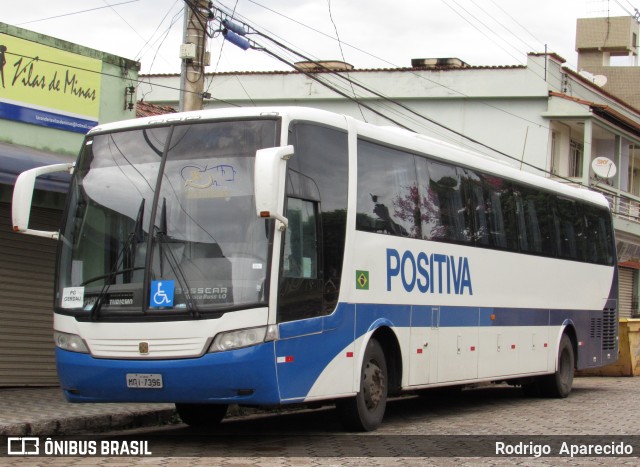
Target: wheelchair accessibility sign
[(161, 294)]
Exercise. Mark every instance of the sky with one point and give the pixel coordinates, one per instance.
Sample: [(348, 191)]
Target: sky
[(372, 33)]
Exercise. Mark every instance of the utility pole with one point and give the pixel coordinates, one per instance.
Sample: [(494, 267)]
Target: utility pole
[(193, 55)]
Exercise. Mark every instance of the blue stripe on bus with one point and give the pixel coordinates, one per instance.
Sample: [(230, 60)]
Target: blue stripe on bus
[(367, 315), (462, 316), (310, 345), (310, 354)]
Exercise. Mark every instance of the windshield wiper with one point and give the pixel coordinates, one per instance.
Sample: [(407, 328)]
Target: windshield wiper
[(163, 241), (128, 249)]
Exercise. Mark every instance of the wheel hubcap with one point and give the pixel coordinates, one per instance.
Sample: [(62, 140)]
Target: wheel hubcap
[(373, 385)]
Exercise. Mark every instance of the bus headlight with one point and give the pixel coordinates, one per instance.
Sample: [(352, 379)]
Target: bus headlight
[(240, 338), (70, 342)]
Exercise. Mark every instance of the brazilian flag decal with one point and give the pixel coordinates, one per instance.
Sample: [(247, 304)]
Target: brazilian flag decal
[(362, 280)]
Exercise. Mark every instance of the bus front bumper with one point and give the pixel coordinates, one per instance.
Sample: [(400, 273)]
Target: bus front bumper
[(243, 376)]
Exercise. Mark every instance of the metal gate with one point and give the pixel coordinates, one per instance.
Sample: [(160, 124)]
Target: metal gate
[(626, 292), (26, 301)]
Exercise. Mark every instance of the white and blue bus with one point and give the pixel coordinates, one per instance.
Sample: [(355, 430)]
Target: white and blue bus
[(263, 256)]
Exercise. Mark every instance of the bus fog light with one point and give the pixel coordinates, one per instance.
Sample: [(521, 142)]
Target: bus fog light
[(70, 342), (243, 338)]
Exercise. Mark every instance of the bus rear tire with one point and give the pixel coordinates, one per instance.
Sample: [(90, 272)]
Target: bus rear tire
[(201, 415), (365, 411), (559, 384)]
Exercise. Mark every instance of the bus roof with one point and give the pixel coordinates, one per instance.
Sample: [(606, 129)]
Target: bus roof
[(398, 137)]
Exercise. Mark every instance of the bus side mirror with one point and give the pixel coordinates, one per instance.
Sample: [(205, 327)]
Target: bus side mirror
[(23, 194), (269, 178)]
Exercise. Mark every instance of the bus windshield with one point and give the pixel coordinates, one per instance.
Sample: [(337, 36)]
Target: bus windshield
[(162, 219)]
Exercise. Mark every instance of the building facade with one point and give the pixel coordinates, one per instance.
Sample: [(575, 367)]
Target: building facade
[(51, 93)]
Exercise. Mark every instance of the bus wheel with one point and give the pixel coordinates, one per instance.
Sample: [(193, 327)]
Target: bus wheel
[(559, 384), (201, 415), (364, 412)]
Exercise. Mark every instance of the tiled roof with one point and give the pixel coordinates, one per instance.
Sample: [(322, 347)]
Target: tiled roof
[(605, 111), (355, 70), (147, 109)]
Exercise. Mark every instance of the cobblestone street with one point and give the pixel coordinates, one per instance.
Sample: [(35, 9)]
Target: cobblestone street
[(426, 430)]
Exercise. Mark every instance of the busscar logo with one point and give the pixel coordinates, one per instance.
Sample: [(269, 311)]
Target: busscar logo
[(23, 446)]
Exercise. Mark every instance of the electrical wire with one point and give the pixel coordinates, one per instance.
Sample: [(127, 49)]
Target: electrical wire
[(218, 63), (416, 74), (517, 59), (139, 55), (335, 89), (122, 18), (541, 68), (299, 55), (76, 12), (335, 27), (502, 25), (166, 34)]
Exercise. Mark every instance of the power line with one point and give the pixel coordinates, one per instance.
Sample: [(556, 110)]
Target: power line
[(414, 73), (124, 20), (476, 27), (423, 77), (313, 76), (335, 27), (77, 12), (166, 34), (503, 26), (139, 55), (517, 22)]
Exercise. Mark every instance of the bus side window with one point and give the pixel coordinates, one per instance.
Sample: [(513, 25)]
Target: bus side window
[(571, 229), (317, 176), (388, 199), (599, 238), (300, 247), (446, 221), (511, 207), (499, 220), (476, 207), (301, 286)]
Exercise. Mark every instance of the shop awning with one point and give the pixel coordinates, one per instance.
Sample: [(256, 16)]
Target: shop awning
[(15, 159)]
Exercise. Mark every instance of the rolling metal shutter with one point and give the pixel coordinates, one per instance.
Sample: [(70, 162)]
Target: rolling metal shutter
[(26, 301), (626, 292)]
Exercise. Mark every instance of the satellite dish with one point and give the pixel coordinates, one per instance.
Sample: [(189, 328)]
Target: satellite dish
[(586, 74), (600, 80), (604, 167)]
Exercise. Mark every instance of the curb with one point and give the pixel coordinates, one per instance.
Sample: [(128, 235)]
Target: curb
[(91, 423)]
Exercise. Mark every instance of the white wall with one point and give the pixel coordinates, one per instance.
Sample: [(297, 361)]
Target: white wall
[(506, 108)]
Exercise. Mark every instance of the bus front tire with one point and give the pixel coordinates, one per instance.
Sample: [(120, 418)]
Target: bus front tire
[(365, 411), (559, 384), (201, 415)]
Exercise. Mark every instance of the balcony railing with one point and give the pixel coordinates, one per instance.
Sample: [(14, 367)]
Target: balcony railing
[(622, 204)]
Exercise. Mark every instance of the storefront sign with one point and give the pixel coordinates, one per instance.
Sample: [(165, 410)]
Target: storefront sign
[(46, 86)]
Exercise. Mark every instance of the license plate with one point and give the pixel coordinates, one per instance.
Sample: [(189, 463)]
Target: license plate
[(144, 380)]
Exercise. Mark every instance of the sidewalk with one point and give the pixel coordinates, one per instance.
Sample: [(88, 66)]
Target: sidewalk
[(45, 411)]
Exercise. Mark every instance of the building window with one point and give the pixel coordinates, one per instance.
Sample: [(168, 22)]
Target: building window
[(576, 154)]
